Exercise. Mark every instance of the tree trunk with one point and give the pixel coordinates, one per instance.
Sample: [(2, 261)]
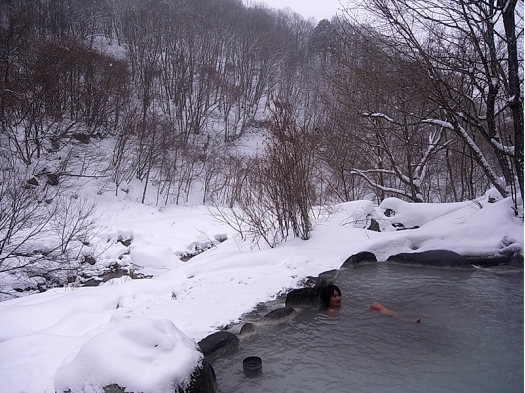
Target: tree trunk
[(515, 99)]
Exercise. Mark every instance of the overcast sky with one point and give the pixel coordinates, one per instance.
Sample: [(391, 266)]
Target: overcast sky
[(318, 9)]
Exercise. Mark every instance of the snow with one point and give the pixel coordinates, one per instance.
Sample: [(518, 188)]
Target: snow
[(380, 115), (419, 214), (142, 333), (139, 354)]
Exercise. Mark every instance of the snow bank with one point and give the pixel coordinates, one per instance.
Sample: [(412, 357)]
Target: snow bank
[(401, 214), (484, 229), (137, 355)]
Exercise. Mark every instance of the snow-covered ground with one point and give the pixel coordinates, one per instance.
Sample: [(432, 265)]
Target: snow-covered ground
[(142, 333)]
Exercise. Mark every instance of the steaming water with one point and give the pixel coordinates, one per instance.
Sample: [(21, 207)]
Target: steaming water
[(470, 338)]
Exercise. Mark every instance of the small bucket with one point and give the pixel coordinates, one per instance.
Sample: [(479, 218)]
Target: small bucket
[(252, 365)]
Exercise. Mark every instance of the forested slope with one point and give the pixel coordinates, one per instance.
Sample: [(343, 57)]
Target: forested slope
[(425, 105)]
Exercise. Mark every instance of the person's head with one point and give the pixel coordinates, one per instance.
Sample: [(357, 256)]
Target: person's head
[(331, 296)]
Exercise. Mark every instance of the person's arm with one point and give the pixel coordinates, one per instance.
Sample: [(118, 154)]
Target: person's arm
[(383, 310)]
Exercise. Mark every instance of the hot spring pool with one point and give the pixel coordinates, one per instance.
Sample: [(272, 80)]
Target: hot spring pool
[(470, 338)]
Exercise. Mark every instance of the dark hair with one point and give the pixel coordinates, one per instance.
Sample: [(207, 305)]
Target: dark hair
[(327, 293)]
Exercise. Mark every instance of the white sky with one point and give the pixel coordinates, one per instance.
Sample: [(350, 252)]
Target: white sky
[(317, 9)]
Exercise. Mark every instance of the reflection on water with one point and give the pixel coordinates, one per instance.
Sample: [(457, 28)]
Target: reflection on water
[(470, 338)]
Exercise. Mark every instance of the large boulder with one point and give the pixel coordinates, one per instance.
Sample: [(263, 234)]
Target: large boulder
[(310, 296), (218, 343), (432, 258), (305, 298), (359, 259)]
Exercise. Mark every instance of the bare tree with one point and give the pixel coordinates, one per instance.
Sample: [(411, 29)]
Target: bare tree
[(43, 230), (378, 130), (469, 51)]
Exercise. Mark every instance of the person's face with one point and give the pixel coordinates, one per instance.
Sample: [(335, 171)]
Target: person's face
[(335, 300)]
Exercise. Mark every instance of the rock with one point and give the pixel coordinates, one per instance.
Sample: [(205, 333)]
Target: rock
[(516, 261), (202, 380), (218, 343), (374, 226), (114, 388), (92, 282), (495, 260), (125, 241), (488, 261), (314, 282), (305, 298), (330, 275), (432, 258), (248, 330), (359, 259), (279, 315), (89, 259), (323, 279)]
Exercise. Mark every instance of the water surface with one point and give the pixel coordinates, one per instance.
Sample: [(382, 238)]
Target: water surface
[(470, 338)]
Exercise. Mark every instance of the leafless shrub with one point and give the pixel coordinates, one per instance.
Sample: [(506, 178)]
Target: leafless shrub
[(286, 171), (43, 230), (276, 194)]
